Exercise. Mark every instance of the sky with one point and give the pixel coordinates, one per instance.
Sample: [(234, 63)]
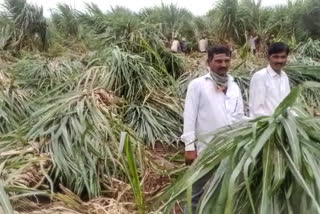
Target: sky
[(197, 7)]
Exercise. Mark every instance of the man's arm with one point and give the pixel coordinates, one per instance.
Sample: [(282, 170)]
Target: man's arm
[(190, 118), (257, 95)]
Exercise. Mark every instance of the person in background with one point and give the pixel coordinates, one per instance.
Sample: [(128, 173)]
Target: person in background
[(270, 85), (270, 40), (252, 44), (212, 102), (183, 45), (203, 44), (175, 45)]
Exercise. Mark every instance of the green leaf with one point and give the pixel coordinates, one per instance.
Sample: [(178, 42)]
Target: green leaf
[(288, 101), (266, 201), (132, 174), (290, 128), (4, 201)]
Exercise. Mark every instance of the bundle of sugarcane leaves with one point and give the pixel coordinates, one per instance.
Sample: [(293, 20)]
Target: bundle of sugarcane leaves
[(266, 165), (80, 130), (299, 73), (14, 106)]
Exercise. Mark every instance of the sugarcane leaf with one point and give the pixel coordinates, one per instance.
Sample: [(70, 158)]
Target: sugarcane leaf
[(288, 101), (4, 201), (311, 84), (232, 182), (290, 129), (132, 173), (296, 173), (266, 201), (208, 201)]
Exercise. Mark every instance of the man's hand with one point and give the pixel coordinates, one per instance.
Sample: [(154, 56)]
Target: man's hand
[(190, 156)]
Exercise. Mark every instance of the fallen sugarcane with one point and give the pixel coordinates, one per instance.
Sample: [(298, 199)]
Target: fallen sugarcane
[(267, 165)]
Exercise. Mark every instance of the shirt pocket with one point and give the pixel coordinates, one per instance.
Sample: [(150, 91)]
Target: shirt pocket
[(271, 90), (232, 104)]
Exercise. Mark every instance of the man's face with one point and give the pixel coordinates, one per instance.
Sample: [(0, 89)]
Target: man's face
[(220, 64), (278, 61)]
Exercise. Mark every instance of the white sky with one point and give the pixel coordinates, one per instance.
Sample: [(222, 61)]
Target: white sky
[(197, 7)]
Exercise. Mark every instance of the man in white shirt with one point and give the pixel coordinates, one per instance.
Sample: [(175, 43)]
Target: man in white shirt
[(270, 85), (203, 44), (212, 102), (175, 46), (252, 44)]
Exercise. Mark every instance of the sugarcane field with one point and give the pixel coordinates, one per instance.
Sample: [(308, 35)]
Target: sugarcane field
[(160, 107)]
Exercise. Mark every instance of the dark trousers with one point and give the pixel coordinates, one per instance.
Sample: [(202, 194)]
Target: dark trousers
[(197, 191)]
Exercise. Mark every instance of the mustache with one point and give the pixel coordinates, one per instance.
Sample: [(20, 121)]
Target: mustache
[(223, 69)]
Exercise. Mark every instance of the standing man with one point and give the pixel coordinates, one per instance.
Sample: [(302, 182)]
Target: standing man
[(270, 85), (175, 46), (213, 101), (252, 44), (203, 44), (270, 40), (183, 45)]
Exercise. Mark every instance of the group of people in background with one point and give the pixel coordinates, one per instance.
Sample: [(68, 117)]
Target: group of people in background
[(178, 45)]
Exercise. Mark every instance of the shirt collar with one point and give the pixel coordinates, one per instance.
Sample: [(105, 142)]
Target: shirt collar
[(272, 72), (208, 76)]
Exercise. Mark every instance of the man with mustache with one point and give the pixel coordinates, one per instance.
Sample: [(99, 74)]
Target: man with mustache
[(270, 85), (213, 101)]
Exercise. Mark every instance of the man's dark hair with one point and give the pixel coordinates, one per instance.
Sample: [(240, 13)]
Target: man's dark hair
[(278, 47), (218, 49)]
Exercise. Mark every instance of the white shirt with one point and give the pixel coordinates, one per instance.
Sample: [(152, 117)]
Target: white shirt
[(207, 109), (175, 47), (252, 42), (267, 91), (203, 45)]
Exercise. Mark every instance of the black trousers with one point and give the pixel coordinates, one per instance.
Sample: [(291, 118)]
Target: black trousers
[(197, 191)]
